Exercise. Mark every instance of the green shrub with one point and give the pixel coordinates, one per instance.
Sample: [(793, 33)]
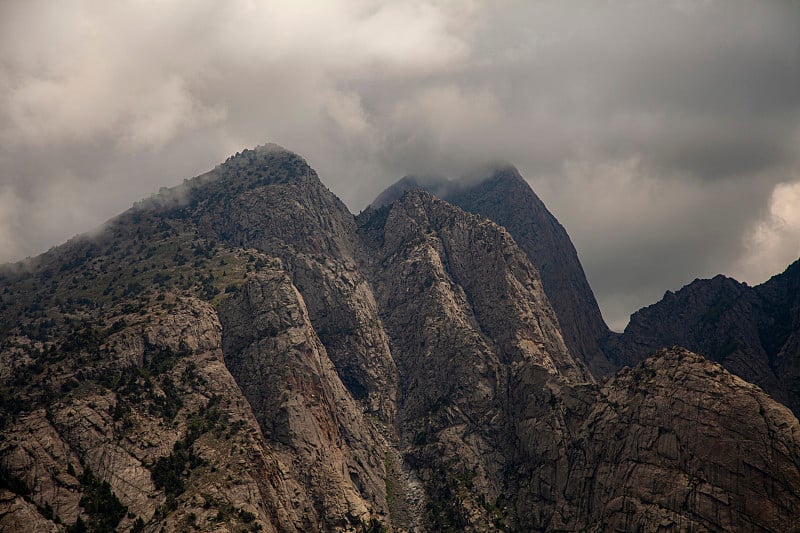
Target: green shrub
[(100, 503)]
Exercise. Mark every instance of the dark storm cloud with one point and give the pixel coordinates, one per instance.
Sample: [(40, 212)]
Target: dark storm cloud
[(663, 135)]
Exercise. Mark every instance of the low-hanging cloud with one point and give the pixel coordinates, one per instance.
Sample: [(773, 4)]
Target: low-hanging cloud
[(773, 242), (663, 135)]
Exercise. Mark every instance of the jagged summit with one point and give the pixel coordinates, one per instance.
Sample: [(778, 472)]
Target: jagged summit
[(251, 168), (444, 187), (711, 287), (498, 171), (268, 163), (752, 331), (438, 185), (454, 248), (790, 276), (500, 193), (261, 154)]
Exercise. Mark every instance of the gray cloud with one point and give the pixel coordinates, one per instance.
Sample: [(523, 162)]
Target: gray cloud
[(664, 135)]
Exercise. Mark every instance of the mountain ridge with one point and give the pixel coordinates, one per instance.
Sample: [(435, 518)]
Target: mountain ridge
[(502, 195), (752, 331), (248, 354)]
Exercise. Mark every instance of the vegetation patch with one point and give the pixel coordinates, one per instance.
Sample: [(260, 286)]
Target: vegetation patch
[(170, 472), (13, 483), (99, 502)]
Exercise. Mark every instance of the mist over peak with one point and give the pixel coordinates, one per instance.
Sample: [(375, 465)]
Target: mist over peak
[(419, 350), (490, 170), (444, 187), (677, 119)]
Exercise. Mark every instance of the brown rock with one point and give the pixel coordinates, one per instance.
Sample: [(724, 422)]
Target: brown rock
[(502, 195), (241, 353)]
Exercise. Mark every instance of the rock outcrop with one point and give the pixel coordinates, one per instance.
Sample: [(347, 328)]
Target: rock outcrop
[(677, 443), (467, 318), (271, 200), (150, 427), (284, 372)]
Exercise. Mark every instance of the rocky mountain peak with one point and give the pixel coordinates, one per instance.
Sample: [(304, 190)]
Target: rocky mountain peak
[(499, 174), (246, 355), (470, 260), (436, 185), (662, 411), (500, 193), (752, 331), (250, 169), (693, 300), (265, 161), (785, 285)]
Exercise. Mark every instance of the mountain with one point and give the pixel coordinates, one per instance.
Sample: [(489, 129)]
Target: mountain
[(754, 332), (240, 353), (171, 358), (502, 195)]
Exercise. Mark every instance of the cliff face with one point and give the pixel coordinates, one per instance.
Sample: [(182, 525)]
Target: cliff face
[(751, 331), (272, 201), (287, 430), (241, 353), (676, 443), (285, 374), (145, 426), (468, 321), (506, 198)]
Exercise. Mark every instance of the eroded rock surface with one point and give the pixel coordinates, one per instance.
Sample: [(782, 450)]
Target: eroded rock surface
[(679, 443), (286, 375)]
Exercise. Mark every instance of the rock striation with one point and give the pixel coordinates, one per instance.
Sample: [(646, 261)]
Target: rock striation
[(287, 377), (240, 353), (270, 200), (468, 318)]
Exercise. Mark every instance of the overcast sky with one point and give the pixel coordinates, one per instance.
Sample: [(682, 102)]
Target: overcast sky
[(665, 136)]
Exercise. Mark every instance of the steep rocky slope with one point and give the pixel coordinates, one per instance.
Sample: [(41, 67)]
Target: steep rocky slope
[(468, 321), (752, 331), (301, 405), (73, 353), (240, 353), (502, 195), (274, 202), (144, 426)]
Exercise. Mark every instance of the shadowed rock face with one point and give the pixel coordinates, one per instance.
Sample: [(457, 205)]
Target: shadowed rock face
[(240, 352), (283, 371), (506, 198), (751, 331)]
